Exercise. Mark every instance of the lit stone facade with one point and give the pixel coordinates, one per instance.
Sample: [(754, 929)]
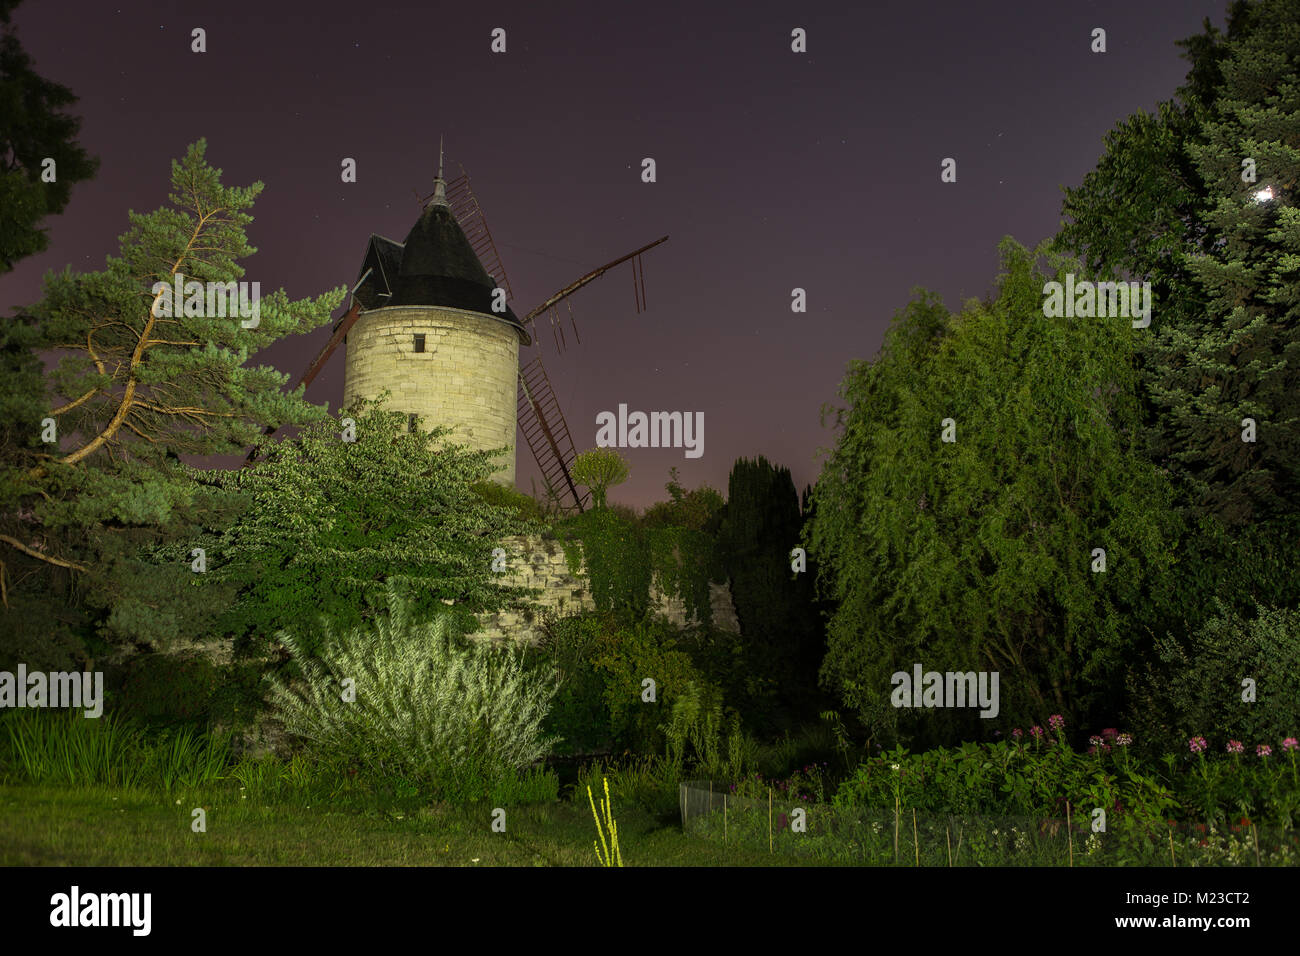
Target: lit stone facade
[(467, 377)]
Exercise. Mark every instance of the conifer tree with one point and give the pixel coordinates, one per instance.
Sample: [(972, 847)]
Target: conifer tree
[(40, 159), (1238, 372), (761, 525), (95, 490)]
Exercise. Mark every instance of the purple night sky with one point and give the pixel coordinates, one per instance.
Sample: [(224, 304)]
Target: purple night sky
[(775, 169)]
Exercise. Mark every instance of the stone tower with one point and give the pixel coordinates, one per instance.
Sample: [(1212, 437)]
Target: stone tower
[(428, 334)]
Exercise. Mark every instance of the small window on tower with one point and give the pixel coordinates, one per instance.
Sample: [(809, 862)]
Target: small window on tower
[(419, 342), (410, 423)]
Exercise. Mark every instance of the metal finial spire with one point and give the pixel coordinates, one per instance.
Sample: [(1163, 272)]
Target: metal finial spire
[(439, 184)]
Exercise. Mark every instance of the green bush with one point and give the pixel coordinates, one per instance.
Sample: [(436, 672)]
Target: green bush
[(579, 714), (602, 661), (628, 655), (455, 719), (500, 496), (1197, 687)]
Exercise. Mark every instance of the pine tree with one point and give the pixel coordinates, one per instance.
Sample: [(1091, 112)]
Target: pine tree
[(107, 512)]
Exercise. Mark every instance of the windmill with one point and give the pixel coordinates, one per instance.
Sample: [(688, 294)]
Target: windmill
[(445, 286)]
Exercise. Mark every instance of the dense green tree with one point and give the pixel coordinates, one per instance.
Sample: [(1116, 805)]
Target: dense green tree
[(34, 130), (104, 517), (1244, 360), (760, 527), (978, 553), (1167, 203), (332, 523)]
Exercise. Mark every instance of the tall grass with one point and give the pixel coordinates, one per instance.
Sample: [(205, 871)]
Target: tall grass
[(68, 748), (184, 760)]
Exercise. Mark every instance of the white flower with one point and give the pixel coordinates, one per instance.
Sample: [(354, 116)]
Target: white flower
[(893, 766)]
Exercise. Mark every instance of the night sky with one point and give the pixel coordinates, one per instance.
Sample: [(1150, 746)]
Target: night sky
[(775, 169)]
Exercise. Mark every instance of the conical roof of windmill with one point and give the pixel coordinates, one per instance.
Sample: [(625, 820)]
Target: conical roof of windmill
[(435, 266)]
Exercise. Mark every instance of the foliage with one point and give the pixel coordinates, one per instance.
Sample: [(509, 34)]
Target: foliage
[(617, 559), (977, 554), (696, 509), (684, 562), (454, 719), (628, 655), (695, 735), (1244, 359), (1198, 683), (760, 527), (107, 520), (579, 714), (70, 749), (33, 128), (499, 496), (1167, 204), (602, 660), (187, 689), (331, 524), (598, 469), (1037, 777)]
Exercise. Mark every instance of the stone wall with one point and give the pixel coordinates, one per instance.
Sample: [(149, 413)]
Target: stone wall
[(467, 376), (540, 563)]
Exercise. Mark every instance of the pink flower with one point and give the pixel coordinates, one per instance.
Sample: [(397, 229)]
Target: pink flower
[(1017, 733), (1056, 722), (1235, 747), (1110, 733), (1036, 731), (1290, 743), (1263, 750), (1198, 744), (1096, 742), (1124, 740)]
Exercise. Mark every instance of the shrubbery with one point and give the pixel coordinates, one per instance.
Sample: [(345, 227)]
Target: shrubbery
[(602, 662), (1035, 775), (1197, 685), (450, 718)]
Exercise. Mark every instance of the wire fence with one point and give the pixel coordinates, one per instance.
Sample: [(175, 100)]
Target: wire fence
[(903, 836)]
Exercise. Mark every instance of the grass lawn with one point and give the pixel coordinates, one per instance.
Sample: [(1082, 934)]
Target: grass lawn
[(53, 826)]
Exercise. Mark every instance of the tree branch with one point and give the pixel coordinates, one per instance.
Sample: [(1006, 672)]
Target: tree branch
[(30, 552)]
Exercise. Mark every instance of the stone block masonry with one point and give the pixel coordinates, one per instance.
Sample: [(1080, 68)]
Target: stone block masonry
[(466, 377)]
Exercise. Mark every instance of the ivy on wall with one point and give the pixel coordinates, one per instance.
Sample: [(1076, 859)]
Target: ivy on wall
[(622, 559)]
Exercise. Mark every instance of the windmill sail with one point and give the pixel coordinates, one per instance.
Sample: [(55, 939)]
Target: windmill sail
[(547, 433), (468, 213)]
